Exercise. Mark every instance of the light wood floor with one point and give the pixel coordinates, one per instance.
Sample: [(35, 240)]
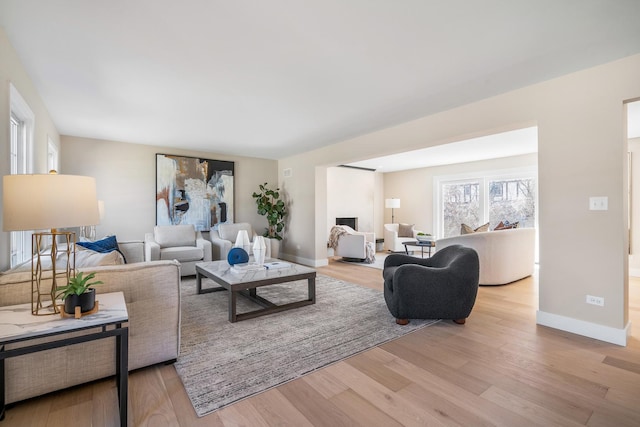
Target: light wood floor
[(498, 369)]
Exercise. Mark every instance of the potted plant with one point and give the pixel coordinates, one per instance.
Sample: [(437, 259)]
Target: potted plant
[(424, 237), (78, 293), (273, 208)]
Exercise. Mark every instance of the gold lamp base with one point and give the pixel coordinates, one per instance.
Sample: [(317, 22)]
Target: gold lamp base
[(43, 297)]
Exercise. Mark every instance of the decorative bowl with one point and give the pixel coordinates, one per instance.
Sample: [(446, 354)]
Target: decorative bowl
[(424, 238)]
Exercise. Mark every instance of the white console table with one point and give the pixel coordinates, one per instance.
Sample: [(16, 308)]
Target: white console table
[(18, 325)]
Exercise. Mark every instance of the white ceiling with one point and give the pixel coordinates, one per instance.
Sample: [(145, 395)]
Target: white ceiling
[(506, 144), (274, 78)]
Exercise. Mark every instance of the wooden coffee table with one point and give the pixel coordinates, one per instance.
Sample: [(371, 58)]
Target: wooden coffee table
[(246, 283)]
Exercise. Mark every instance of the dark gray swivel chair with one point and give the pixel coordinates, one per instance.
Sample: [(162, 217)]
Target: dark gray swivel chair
[(441, 287)]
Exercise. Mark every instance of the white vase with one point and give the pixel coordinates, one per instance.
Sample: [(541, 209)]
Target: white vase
[(242, 241), (259, 250)]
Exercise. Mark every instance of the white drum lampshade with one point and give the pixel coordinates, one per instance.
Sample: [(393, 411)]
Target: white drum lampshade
[(392, 204), (48, 202)]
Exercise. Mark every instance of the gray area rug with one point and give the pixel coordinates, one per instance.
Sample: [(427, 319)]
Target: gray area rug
[(221, 362)]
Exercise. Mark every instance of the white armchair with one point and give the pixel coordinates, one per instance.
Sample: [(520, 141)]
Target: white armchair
[(354, 246), (351, 244), (395, 236), (223, 239), (180, 242)]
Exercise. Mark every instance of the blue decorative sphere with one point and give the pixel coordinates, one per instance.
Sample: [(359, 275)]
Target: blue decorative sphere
[(237, 256)]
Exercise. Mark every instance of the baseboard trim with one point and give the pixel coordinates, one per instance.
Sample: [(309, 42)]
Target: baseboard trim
[(634, 272), (305, 261), (586, 329)]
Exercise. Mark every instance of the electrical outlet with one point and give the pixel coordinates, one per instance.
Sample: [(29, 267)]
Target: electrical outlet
[(595, 300), (598, 203)]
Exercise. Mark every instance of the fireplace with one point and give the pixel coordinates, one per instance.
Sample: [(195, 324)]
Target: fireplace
[(350, 221)]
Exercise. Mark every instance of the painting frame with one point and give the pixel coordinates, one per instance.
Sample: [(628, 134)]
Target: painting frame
[(194, 190)]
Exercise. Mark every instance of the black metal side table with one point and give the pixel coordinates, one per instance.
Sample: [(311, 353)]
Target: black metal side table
[(18, 325), (421, 244)]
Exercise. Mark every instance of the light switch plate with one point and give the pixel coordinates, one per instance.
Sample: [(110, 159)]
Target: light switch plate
[(598, 203)]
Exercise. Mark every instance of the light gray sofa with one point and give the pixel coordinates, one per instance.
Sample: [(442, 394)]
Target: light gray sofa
[(505, 255), (152, 293)]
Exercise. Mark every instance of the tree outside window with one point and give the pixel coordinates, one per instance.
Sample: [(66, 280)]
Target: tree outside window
[(476, 201), (512, 200), (461, 204)]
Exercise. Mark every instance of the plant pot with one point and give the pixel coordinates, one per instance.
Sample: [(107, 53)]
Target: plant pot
[(275, 247), (86, 301)]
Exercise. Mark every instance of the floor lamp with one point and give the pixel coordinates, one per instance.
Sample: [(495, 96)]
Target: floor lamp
[(393, 204), (49, 201)]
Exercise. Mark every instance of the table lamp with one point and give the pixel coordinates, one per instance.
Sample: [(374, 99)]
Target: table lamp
[(88, 232), (393, 204), (49, 201)]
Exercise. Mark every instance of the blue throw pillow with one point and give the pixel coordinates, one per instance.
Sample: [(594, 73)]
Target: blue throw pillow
[(108, 244)]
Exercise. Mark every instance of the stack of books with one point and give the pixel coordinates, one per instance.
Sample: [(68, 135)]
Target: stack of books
[(276, 265)]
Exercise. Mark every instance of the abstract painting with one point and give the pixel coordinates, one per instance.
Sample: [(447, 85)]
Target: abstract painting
[(190, 190)]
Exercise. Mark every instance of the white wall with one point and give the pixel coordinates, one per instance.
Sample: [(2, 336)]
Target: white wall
[(351, 193), (12, 71), (634, 256), (125, 176), (582, 153)]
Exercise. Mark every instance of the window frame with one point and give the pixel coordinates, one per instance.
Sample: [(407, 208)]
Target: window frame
[(21, 134), (484, 177), (53, 157)]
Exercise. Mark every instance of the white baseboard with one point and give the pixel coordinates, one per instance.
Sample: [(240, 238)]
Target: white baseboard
[(587, 329), (634, 272), (305, 261)]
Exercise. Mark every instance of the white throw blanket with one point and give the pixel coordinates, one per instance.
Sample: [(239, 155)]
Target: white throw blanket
[(371, 253), (339, 230), (334, 235)]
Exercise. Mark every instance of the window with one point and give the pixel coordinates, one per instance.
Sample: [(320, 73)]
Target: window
[(52, 155), (512, 200), (461, 204), (486, 197), (21, 126)]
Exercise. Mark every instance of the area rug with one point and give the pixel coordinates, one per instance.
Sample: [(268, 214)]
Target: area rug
[(221, 362)]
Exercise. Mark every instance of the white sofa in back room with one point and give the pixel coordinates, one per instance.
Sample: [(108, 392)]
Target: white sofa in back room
[(505, 255)]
